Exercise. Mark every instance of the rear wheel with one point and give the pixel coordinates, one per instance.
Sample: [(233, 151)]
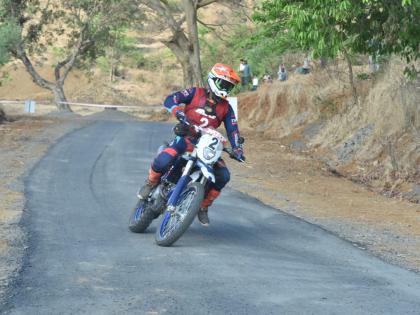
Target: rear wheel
[(141, 217), (175, 223)]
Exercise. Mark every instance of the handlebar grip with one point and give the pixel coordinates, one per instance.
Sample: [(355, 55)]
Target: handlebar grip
[(233, 156)]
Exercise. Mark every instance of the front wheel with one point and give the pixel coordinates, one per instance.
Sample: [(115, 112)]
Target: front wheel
[(141, 217), (175, 223)]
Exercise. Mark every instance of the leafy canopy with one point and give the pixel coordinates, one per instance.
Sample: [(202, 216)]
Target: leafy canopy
[(40, 26), (9, 34), (327, 27)]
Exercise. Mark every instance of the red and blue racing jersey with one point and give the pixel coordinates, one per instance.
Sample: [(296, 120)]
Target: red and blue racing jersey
[(201, 112)]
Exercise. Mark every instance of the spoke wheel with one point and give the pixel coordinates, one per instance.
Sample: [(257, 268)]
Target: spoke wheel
[(141, 217), (175, 223)]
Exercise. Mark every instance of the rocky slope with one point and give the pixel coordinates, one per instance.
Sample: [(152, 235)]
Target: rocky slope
[(374, 142)]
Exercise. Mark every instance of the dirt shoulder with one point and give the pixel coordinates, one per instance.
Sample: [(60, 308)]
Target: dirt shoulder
[(299, 185)]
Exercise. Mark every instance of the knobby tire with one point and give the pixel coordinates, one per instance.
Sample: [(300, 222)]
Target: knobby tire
[(192, 210), (142, 223)]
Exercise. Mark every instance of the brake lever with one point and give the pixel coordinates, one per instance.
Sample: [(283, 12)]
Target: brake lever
[(232, 155)]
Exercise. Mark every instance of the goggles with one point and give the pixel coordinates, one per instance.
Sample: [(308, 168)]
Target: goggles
[(224, 85)]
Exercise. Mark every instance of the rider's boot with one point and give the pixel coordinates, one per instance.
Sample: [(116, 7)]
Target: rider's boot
[(151, 182), (202, 215)]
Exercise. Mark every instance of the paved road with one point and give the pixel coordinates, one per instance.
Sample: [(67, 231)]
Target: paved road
[(251, 260)]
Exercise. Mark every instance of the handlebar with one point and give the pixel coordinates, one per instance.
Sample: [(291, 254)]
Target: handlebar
[(232, 155), (227, 150)]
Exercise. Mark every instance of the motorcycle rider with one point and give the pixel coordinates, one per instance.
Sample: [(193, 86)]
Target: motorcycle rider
[(206, 107)]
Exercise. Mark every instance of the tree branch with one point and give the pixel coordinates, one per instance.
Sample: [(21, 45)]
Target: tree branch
[(60, 65), (203, 3), (212, 27), (84, 46), (209, 25), (162, 8), (68, 63), (21, 54)]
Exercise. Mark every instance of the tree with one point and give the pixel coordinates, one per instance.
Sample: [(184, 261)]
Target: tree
[(330, 27), (183, 42), (172, 16), (191, 7), (245, 40), (391, 27), (120, 46), (80, 29), (317, 26)]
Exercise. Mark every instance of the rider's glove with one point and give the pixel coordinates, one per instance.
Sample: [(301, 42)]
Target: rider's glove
[(180, 115), (181, 130), (239, 154)]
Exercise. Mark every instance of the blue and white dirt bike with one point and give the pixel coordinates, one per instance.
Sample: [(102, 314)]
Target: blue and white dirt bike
[(181, 189)]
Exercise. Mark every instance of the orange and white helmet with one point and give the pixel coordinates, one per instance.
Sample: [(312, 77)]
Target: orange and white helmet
[(222, 79)]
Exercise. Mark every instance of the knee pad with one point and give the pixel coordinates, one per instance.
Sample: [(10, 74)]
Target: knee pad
[(162, 162), (222, 178)]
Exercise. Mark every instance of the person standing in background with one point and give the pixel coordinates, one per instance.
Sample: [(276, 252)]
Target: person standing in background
[(282, 74), (254, 83), (241, 67), (245, 75), (267, 78), (306, 67)]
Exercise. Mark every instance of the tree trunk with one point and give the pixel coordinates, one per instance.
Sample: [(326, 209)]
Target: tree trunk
[(351, 78), (179, 46), (111, 73), (187, 73), (60, 98), (185, 48), (191, 16), (2, 115)]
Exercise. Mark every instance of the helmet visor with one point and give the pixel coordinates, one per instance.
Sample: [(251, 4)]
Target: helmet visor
[(224, 85)]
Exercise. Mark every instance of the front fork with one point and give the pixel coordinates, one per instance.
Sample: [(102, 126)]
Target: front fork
[(182, 182)]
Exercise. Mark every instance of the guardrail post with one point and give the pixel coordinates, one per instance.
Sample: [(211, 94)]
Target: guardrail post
[(30, 106)]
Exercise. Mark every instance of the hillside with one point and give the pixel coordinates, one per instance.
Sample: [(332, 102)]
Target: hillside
[(374, 142)]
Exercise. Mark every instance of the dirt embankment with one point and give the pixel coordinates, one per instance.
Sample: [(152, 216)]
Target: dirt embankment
[(375, 142)]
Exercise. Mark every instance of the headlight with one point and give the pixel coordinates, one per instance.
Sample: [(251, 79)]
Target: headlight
[(209, 153)]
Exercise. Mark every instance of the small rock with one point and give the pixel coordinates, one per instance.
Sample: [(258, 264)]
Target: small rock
[(414, 194), (298, 145), (312, 129)]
